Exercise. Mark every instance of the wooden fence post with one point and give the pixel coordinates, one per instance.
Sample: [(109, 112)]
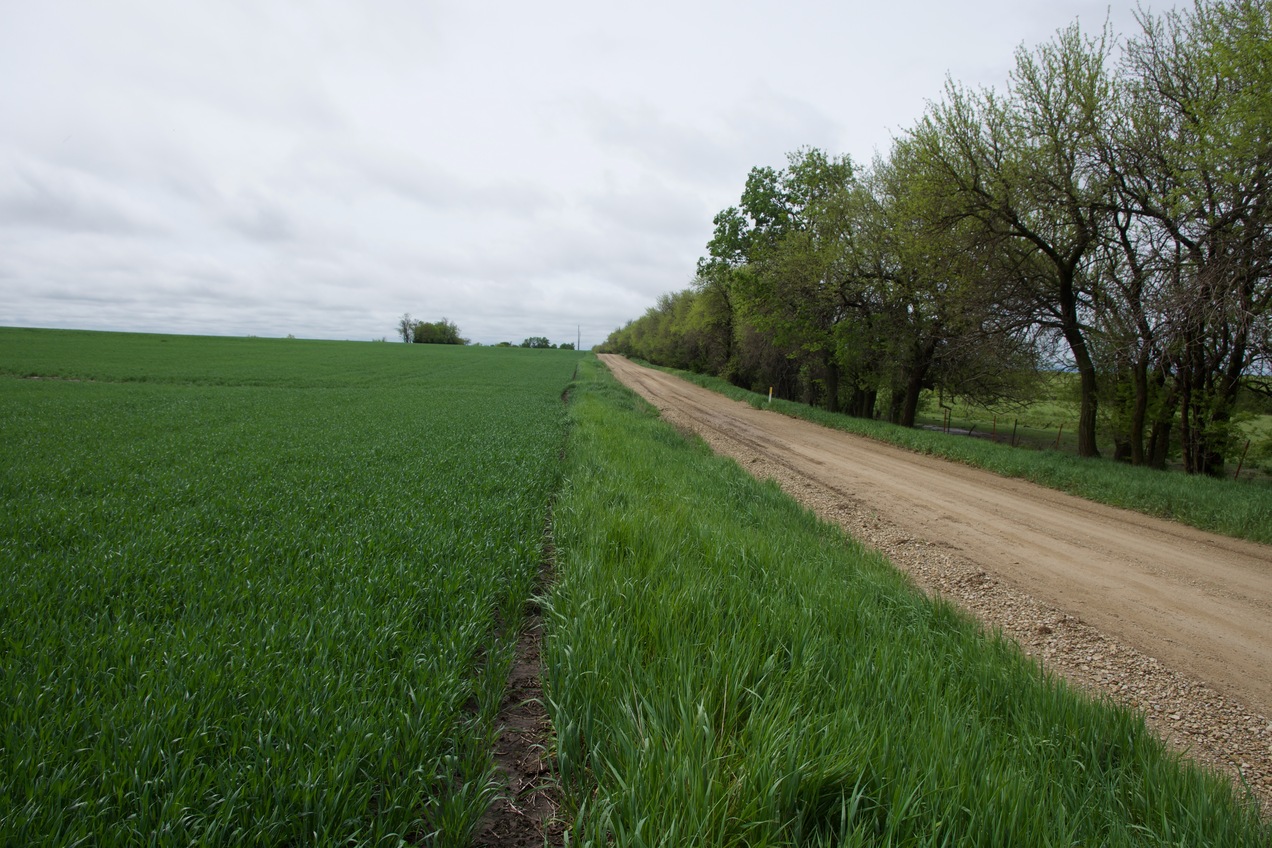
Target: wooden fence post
[(1242, 460)]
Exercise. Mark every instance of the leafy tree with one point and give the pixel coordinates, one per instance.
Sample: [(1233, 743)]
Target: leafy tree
[(406, 327), (1024, 169), (537, 342), (939, 327), (440, 332), (1193, 164), (790, 233)]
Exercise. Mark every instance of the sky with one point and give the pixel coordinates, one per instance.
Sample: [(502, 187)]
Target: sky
[(319, 168)]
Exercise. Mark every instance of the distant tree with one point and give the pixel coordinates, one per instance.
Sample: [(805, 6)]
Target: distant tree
[(537, 342), (504, 344), (406, 327), (567, 345), (441, 332)]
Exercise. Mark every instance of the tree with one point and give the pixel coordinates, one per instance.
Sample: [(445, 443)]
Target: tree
[(939, 327), (440, 332), (1024, 169), (406, 328), (1193, 163), (537, 342), (790, 233)]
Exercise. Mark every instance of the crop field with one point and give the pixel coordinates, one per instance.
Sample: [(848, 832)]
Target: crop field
[(724, 670), (262, 592)]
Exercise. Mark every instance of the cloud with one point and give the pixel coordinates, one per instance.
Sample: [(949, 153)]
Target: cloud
[(417, 180), (36, 195), (259, 218)]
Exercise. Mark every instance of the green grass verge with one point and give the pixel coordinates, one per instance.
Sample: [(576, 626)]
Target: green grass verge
[(723, 669), (1227, 507), (253, 588)]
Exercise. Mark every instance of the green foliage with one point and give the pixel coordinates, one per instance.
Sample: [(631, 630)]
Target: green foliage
[(261, 592), (725, 670), (441, 332), (538, 343)]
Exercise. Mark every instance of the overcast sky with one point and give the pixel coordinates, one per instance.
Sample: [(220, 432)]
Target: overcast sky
[(524, 169)]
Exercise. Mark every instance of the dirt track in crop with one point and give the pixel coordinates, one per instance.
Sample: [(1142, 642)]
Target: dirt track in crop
[(1190, 613)]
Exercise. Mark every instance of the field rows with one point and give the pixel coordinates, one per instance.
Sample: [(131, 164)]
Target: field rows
[(261, 614)]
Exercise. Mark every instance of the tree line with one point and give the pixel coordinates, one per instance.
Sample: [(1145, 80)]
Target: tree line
[(444, 331), (1107, 213)]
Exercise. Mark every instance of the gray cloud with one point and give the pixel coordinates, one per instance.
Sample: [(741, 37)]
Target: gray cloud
[(36, 195)]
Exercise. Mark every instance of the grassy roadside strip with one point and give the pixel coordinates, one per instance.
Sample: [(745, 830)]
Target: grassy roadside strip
[(1219, 506), (723, 669)]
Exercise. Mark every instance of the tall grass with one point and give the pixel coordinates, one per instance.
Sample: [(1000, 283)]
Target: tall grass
[(265, 599), (725, 670), (1227, 507)]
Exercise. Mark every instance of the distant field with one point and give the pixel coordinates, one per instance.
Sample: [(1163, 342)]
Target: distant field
[(254, 588), (1050, 422)]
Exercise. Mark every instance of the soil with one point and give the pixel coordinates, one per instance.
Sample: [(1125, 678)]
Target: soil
[(1170, 620), (525, 812)]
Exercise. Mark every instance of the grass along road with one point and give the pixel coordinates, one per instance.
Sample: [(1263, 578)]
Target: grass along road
[(1199, 603), (725, 669)]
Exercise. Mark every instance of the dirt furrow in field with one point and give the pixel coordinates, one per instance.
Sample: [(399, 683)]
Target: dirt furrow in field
[(1172, 620)]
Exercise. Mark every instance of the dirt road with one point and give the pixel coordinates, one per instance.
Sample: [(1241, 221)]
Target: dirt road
[(1200, 604)]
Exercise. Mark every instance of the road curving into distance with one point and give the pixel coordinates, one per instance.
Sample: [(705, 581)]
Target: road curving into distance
[(1200, 604)]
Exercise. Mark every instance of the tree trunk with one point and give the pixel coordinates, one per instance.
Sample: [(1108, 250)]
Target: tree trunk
[(913, 389), (914, 382), (1159, 434), (1139, 410), (832, 387), (863, 402), (1072, 331), (894, 405), (1159, 444)]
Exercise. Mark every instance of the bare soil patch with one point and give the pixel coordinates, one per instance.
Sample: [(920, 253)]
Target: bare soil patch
[(525, 813), (1170, 620)]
